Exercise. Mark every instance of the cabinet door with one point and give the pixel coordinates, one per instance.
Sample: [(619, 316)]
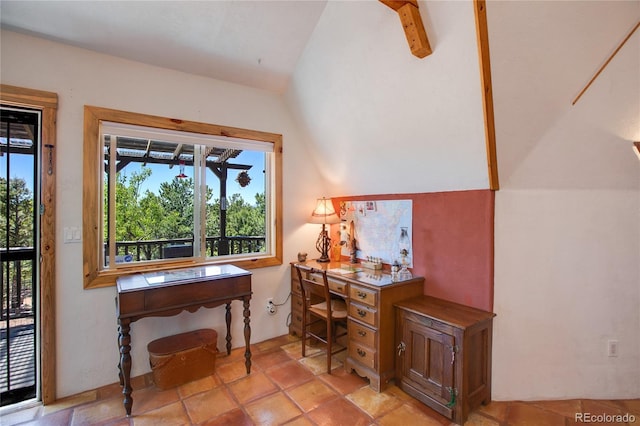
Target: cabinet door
[(428, 360)]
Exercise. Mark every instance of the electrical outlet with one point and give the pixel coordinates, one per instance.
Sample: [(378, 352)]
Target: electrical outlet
[(612, 348), (271, 308)]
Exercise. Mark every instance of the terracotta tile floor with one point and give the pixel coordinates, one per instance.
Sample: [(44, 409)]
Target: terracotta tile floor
[(285, 389)]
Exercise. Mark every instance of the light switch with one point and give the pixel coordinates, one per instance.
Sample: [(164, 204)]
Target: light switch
[(72, 234)]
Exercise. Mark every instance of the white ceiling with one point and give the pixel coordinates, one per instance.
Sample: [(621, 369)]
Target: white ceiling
[(254, 43)]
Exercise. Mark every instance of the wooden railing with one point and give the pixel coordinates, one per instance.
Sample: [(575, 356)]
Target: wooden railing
[(17, 283), (183, 247)]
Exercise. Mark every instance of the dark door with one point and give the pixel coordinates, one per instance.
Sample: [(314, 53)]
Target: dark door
[(427, 364), (19, 242)]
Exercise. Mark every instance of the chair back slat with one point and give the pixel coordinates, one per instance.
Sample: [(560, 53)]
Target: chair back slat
[(309, 287), (314, 291)]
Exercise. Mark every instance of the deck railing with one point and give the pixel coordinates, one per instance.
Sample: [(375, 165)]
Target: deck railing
[(17, 347), (16, 283), (183, 247)]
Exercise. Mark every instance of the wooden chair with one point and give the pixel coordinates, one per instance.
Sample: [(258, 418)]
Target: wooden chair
[(318, 307)]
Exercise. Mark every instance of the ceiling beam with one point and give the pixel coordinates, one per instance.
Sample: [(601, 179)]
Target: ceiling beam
[(482, 37), (397, 4), (412, 24)]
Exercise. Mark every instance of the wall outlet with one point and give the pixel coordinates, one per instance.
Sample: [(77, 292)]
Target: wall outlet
[(271, 308), (612, 348)]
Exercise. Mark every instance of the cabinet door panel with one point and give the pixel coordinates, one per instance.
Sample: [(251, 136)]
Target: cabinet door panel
[(428, 360)]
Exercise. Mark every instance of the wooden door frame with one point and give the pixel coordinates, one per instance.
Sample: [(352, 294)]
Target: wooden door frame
[(47, 103)]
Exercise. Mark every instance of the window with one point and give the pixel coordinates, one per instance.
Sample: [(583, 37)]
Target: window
[(162, 193)]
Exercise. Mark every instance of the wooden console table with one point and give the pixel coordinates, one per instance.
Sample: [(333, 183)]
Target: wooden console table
[(167, 293)]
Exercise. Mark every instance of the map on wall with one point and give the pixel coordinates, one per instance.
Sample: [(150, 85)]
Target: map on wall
[(377, 226)]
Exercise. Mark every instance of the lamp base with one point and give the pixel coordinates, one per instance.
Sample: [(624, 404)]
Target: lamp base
[(322, 245)]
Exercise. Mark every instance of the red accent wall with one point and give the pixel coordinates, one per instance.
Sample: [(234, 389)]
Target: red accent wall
[(452, 243)]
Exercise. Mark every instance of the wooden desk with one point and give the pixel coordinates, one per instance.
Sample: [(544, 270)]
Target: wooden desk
[(168, 293), (370, 296)]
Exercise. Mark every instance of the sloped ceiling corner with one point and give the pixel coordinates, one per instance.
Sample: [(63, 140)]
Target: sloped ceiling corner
[(381, 120), (542, 55)]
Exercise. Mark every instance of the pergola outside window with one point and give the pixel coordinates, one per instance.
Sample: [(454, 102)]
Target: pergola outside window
[(168, 196)]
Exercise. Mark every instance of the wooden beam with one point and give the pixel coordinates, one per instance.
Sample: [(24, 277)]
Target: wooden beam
[(482, 35), (412, 24), (397, 4), (414, 30)]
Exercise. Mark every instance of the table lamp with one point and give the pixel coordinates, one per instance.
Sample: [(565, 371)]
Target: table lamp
[(324, 213)]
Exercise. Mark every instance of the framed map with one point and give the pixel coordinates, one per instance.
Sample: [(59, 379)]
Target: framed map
[(376, 226)]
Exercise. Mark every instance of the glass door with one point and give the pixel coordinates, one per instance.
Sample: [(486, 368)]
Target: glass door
[(19, 242)]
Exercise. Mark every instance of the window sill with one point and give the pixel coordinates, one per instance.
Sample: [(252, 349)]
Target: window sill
[(108, 278)]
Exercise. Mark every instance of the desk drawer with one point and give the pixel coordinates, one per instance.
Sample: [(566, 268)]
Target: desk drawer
[(336, 286), (295, 286), (362, 354), (360, 333), (296, 322), (201, 293), (362, 295), (296, 302), (364, 314)]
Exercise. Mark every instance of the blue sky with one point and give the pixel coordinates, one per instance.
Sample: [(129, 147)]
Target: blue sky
[(161, 173), (21, 167)]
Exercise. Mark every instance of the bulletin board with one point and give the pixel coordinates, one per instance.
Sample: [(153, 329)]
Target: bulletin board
[(376, 226)]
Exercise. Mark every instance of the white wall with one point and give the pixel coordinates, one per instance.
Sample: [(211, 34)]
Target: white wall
[(567, 231), (567, 226), (377, 120), (383, 121), (87, 352)]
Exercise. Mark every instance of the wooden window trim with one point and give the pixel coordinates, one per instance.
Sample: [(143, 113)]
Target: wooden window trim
[(47, 103), (94, 276)]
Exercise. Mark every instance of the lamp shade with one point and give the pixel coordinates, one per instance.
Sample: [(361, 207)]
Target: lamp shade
[(324, 212)]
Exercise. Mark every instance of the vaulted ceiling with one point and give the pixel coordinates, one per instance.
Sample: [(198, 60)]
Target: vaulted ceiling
[(253, 43)]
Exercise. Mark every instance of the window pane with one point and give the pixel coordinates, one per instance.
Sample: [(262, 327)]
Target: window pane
[(147, 151), (154, 200), (236, 219)]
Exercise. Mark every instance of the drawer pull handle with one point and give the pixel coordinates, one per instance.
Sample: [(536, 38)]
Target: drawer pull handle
[(361, 352), (298, 317), (362, 313), (362, 333), (362, 295), (401, 348), (453, 349)]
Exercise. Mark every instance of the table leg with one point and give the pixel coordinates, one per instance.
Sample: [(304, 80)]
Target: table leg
[(228, 318), (124, 342), (247, 334)]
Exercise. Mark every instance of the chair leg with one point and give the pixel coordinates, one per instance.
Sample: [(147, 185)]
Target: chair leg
[(329, 345), (304, 335)]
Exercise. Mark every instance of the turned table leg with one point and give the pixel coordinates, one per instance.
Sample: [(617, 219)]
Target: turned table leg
[(124, 342), (247, 334), (228, 318)]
